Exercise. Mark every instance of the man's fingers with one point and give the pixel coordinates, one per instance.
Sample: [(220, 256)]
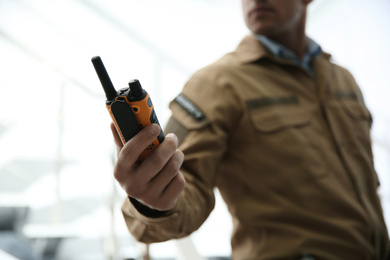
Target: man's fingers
[(157, 160), (157, 181), (136, 145), (128, 156), (168, 173), (168, 198)]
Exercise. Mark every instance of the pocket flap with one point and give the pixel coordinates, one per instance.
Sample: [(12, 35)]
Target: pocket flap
[(275, 119), (356, 110)]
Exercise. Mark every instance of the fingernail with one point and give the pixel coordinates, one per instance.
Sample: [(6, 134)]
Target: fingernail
[(154, 129), (173, 136)]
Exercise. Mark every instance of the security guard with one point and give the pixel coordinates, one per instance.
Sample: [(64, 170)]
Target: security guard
[(282, 132)]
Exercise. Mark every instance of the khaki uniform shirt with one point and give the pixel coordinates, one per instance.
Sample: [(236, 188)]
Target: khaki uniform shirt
[(290, 154)]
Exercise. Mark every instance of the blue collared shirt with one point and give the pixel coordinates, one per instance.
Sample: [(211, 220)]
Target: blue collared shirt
[(312, 50)]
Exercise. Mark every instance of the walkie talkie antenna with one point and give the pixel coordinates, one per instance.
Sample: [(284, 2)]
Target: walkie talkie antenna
[(104, 78)]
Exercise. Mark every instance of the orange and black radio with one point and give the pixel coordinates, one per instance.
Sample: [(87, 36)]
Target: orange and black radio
[(131, 108)]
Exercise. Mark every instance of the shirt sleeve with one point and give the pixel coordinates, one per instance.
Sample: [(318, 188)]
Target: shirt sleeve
[(203, 121)]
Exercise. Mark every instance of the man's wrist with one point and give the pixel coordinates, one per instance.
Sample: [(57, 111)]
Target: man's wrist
[(147, 211)]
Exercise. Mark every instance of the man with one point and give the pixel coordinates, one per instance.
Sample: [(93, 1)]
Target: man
[(284, 135)]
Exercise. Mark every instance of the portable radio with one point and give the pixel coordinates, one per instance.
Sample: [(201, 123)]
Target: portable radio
[(131, 108)]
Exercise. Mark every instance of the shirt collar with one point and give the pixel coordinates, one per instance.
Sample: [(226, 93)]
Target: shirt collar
[(251, 50), (312, 50)]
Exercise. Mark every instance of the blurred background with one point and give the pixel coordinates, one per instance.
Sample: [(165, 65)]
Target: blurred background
[(58, 199)]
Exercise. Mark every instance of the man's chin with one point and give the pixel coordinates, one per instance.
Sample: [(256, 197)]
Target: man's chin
[(266, 31)]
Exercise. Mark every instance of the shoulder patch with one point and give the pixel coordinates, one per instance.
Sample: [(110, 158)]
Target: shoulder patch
[(189, 107)]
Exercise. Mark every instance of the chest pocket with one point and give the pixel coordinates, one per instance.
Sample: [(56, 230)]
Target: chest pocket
[(354, 107), (357, 121), (286, 147), (272, 114), (358, 116)]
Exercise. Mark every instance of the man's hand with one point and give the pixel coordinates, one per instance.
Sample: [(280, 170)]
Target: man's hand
[(157, 181)]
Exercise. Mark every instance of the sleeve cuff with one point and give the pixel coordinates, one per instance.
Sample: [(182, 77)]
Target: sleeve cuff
[(146, 211)]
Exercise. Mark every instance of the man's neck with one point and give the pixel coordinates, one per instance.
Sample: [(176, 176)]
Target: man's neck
[(297, 45), (293, 40)]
